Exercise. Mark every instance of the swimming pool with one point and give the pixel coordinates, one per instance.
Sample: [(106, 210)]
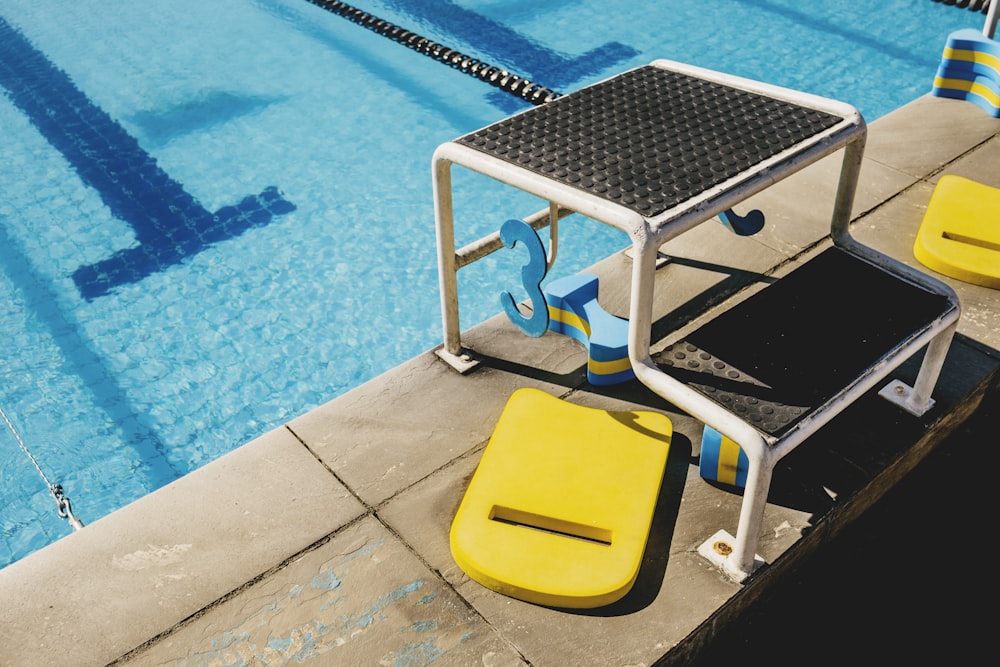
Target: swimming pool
[(216, 216)]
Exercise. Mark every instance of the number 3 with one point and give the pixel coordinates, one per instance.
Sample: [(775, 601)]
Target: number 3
[(532, 275)]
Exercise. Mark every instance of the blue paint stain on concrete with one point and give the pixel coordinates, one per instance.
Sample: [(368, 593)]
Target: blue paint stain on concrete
[(312, 638), (326, 581), (416, 655), (373, 613), (366, 550), (304, 643), (422, 626)]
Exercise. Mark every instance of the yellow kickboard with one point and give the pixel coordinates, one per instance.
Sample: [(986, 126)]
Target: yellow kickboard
[(960, 234), (560, 506)]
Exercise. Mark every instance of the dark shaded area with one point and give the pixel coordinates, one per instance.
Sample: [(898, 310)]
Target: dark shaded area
[(909, 582), (788, 349)]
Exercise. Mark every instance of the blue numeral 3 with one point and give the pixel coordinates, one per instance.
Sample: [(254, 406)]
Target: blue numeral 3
[(532, 275)]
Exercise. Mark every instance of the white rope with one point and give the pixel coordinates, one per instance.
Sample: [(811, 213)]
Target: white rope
[(55, 490), (17, 436)]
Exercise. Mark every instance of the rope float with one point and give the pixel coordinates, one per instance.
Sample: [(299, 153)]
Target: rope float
[(972, 5), (500, 78), (63, 505)]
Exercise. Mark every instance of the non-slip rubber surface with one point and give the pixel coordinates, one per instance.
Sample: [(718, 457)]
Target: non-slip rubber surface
[(649, 138), (786, 350)]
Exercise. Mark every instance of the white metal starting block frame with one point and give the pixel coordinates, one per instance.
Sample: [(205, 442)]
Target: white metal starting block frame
[(700, 119)]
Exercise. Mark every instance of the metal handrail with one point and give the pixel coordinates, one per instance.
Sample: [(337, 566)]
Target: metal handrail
[(990, 27), (491, 242)]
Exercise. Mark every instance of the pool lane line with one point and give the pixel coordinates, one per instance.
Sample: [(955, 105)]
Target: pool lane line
[(494, 39), (499, 78), (982, 6)]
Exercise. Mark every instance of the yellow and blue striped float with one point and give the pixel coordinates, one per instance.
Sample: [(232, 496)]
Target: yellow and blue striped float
[(721, 459), (970, 70), (575, 312)]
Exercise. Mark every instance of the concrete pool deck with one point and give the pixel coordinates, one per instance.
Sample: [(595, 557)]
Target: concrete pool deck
[(326, 540)]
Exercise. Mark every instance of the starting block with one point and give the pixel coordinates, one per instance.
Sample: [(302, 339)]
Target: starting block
[(575, 312), (559, 509), (960, 234)]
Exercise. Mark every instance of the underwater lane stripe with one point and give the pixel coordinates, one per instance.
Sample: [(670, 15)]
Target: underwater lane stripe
[(170, 225), (93, 370)]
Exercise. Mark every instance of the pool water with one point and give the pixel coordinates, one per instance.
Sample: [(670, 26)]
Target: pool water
[(217, 216)]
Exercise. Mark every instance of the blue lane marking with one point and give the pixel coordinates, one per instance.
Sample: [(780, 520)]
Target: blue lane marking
[(170, 225), (525, 56), (91, 368)]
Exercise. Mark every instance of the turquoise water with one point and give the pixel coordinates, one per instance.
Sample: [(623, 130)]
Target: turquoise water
[(314, 137)]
